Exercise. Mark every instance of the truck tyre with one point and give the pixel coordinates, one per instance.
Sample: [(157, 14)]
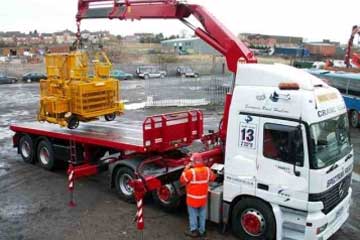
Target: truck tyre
[(26, 149), (354, 119), (73, 122), (123, 176), (252, 219), (110, 117), (45, 155), (167, 198), (146, 76)]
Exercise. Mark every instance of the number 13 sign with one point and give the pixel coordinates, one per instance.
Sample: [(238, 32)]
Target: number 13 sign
[(248, 134)]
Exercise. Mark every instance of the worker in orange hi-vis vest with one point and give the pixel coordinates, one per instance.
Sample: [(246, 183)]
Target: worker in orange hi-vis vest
[(196, 176)]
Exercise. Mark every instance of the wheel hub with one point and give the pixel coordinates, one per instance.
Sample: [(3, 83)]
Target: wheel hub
[(164, 193), (253, 222), (44, 156), (125, 180), (25, 149)]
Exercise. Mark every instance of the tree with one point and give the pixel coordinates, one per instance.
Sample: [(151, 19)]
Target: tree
[(156, 39)]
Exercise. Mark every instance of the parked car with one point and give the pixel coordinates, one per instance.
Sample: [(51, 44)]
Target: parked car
[(146, 72), (33, 77), (5, 79), (121, 75), (186, 71)]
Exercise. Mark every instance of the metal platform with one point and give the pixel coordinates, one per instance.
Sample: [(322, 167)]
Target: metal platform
[(159, 133), (120, 136)]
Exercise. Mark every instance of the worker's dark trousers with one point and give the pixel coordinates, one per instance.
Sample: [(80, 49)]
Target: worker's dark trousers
[(197, 219)]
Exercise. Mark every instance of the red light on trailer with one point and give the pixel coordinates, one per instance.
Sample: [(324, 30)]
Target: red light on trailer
[(289, 86)]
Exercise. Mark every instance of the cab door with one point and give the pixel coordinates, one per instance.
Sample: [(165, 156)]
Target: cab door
[(282, 163)]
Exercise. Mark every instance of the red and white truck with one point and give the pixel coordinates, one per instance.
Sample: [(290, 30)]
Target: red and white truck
[(282, 150)]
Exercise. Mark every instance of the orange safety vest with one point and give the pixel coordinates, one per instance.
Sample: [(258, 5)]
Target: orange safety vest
[(197, 184)]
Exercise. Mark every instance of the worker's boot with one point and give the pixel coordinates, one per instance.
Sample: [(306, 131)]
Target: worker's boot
[(192, 234), (203, 236)]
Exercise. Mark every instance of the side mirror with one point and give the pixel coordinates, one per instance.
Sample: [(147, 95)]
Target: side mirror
[(296, 173)]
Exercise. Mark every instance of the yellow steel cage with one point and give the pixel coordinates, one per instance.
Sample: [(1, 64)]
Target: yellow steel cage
[(69, 95)]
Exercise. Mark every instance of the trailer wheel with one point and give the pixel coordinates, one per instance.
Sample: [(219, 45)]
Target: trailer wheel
[(26, 149), (122, 179), (45, 155), (253, 219), (166, 197), (354, 119), (73, 122), (110, 117)]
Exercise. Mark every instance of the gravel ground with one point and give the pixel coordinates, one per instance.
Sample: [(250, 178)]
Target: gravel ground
[(34, 201)]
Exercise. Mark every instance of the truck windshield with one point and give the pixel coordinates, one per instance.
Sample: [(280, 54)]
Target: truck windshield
[(330, 140)]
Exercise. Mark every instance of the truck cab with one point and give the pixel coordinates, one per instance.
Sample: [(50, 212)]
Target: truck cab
[(288, 158)]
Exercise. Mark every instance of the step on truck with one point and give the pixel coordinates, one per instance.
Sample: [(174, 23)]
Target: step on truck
[(282, 151)]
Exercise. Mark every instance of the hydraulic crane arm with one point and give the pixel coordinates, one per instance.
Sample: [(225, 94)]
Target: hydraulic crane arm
[(356, 57), (213, 32)]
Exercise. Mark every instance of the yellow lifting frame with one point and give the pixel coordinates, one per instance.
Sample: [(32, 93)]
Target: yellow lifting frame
[(69, 95)]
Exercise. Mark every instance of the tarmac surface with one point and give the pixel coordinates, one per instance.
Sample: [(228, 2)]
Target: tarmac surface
[(34, 202)]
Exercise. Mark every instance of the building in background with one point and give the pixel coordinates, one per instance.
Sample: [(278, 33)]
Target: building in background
[(130, 39), (269, 41), (325, 48), (184, 46), (65, 37)]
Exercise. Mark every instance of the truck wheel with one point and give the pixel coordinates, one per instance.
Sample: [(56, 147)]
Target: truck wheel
[(73, 122), (253, 219), (122, 180), (146, 76), (110, 117), (45, 155), (354, 119), (26, 149), (166, 197)]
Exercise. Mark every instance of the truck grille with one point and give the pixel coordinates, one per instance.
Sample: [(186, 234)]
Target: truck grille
[(333, 196)]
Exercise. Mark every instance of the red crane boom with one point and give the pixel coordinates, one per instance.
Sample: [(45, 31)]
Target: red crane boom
[(213, 32), (356, 57)]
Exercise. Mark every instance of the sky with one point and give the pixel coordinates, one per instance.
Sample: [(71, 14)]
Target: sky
[(314, 20)]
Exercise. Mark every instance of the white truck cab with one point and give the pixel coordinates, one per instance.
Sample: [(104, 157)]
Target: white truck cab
[(288, 158)]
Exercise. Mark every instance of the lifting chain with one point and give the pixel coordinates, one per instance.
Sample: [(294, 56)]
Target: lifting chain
[(78, 35)]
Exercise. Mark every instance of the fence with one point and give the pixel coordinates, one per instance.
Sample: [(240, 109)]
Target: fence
[(180, 91)]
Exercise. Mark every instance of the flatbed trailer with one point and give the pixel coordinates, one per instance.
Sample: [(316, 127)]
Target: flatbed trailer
[(157, 133), (151, 151), (157, 136)]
